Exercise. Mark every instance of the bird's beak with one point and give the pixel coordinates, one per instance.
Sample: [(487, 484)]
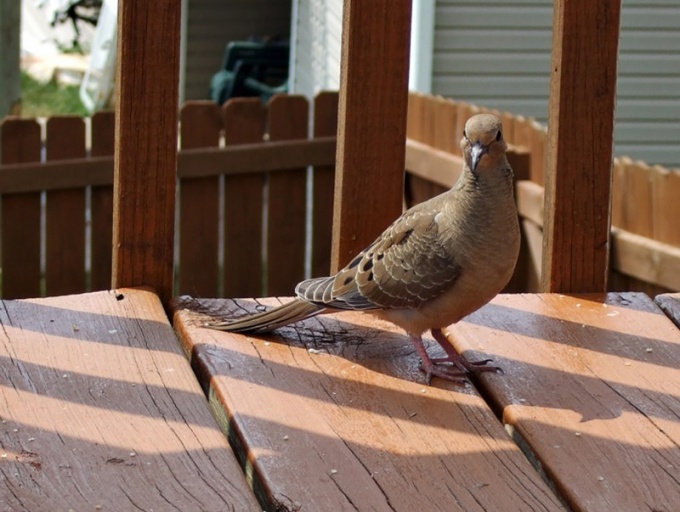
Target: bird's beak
[(478, 150)]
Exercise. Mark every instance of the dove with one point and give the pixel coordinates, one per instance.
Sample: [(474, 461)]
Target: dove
[(438, 262)]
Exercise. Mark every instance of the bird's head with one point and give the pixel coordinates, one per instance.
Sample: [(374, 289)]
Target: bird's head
[(482, 136)]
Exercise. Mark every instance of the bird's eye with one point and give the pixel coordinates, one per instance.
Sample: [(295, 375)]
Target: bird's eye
[(499, 136)]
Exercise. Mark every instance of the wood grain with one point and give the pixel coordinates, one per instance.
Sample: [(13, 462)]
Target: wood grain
[(192, 163), (100, 410), (580, 145), (325, 125), (646, 259), (439, 168), (591, 387), (65, 212), (666, 208), (424, 137), (103, 144), (20, 141), (372, 123), (287, 200), (332, 414), (244, 121), (200, 126), (145, 170)]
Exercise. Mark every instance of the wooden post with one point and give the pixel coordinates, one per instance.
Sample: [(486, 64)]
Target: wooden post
[(580, 145), (372, 123), (146, 145)]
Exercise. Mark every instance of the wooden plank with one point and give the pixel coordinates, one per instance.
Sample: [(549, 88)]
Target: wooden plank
[(20, 141), (445, 120), (418, 188), (332, 414), (325, 125), (432, 165), (192, 163), (537, 146), (618, 192), (100, 410), (637, 214), (530, 201), (646, 259), (670, 304), (591, 388), (371, 133), (244, 120), (414, 120), (527, 276), (65, 212), (655, 263), (146, 145), (103, 143), (580, 145), (666, 207), (200, 126), (274, 156), (287, 198)]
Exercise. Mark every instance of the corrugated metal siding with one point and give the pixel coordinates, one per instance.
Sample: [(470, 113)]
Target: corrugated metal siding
[(211, 24), (498, 54), (318, 45)]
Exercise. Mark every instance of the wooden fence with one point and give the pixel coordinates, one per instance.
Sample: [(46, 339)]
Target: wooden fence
[(249, 213), (242, 199)]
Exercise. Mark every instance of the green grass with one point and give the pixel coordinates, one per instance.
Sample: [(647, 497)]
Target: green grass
[(46, 99)]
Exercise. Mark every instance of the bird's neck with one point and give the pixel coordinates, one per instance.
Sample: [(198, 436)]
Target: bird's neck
[(488, 178)]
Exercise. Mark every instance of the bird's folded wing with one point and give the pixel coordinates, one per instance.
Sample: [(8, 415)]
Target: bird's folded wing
[(408, 265)]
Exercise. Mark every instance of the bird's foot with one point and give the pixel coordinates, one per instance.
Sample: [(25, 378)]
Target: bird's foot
[(446, 372), (453, 367), (455, 359)]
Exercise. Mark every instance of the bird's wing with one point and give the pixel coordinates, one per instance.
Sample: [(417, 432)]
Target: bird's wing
[(408, 265)]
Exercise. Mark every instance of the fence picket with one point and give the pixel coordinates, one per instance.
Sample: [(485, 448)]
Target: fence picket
[(425, 125), (638, 214), (445, 120), (244, 121), (288, 119), (200, 127), (103, 127), (20, 141), (618, 192), (325, 125), (538, 146), (65, 212), (666, 207)]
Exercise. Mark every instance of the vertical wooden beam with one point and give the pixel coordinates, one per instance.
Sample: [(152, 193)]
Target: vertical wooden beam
[(580, 145), (146, 144), (372, 123)]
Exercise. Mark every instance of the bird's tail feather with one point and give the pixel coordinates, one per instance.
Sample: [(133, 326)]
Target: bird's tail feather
[(270, 320)]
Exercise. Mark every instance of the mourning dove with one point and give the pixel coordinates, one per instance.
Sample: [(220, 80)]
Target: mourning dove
[(438, 262)]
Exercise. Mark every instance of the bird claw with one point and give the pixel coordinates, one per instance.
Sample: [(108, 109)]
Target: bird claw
[(444, 372), (456, 371)]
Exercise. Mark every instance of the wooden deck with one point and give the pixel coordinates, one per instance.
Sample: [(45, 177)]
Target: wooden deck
[(333, 414), (101, 409)]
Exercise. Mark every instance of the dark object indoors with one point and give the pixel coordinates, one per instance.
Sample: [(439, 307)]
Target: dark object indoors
[(251, 69)]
